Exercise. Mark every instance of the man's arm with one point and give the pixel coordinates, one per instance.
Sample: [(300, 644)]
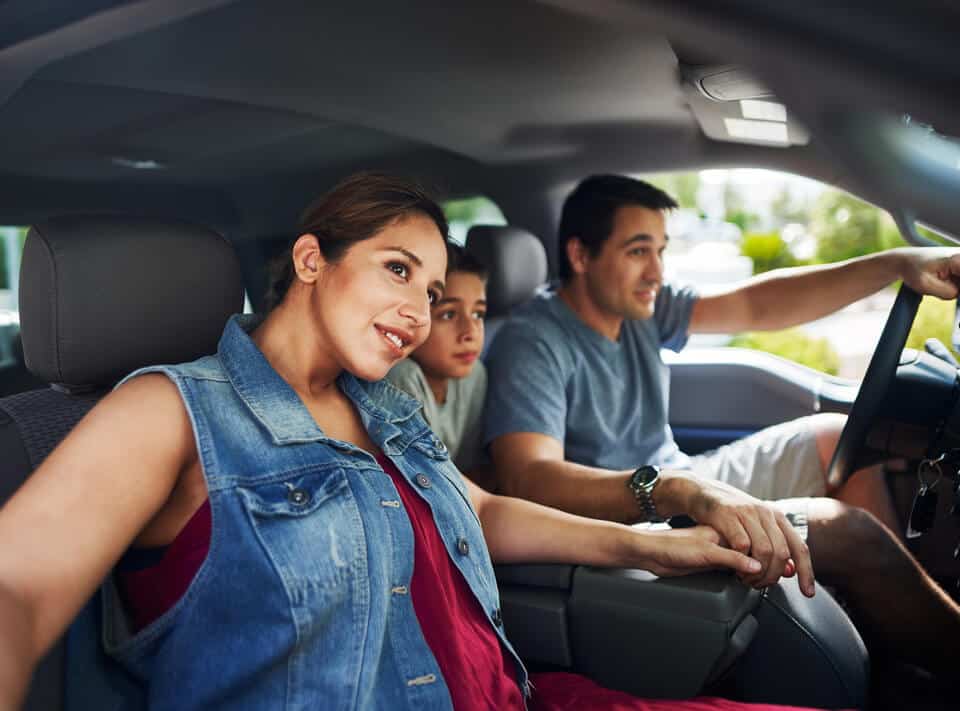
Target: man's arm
[(788, 297), (531, 466), (518, 531)]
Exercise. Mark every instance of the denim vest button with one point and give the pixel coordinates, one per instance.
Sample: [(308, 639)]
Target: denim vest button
[(497, 618), (423, 481), (463, 546), (298, 497)]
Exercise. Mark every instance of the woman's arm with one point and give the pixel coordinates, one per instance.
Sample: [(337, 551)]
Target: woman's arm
[(519, 531), (65, 528)]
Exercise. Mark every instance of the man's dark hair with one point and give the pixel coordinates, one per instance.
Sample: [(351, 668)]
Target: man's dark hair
[(459, 260), (589, 210)]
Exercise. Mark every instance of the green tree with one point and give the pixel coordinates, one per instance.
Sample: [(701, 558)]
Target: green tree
[(793, 344), (846, 227), (683, 187), (935, 319), (768, 251), (787, 207)]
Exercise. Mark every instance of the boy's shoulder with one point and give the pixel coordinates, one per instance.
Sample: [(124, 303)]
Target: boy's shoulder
[(407, 376)]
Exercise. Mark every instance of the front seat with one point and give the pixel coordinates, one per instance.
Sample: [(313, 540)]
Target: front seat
[(101, 296), (667, 637)]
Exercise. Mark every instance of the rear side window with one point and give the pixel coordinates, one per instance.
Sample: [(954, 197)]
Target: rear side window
[(465, 213), (11, 247)]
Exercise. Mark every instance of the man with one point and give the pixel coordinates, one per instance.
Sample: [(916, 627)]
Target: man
[(577, 406)]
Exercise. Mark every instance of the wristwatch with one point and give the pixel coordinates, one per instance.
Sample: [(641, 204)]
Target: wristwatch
[(641, 483)]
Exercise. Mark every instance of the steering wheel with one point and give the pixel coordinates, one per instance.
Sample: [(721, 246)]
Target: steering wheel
[(877, 380)]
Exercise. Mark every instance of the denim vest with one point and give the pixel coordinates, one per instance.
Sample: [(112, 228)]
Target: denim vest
[(303, 600)]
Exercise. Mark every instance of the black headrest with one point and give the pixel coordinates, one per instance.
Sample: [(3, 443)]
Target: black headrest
[(103, 295), (516, 260)]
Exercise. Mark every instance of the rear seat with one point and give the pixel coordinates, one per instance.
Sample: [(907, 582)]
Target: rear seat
[(100, 297), (517, 264)]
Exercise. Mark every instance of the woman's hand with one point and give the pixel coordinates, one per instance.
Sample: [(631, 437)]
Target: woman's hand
[(682, 551)]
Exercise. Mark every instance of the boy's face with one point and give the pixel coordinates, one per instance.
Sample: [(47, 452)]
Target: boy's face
[(456, 333)]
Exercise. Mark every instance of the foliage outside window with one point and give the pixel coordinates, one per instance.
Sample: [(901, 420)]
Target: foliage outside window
[(785, 221), (464, 214)]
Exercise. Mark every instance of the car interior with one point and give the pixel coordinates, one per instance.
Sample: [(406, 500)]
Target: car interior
[(160, 153)]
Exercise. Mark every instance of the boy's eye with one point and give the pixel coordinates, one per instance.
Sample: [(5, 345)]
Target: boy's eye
[(400, 269)]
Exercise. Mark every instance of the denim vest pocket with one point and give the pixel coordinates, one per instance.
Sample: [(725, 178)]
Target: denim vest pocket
[(310, 525)]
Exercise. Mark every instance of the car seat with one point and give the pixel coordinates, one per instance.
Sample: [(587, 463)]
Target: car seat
[(517, 267), (101, 296)]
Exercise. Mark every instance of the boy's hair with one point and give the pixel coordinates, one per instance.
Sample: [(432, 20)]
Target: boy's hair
[(589, 210), (459, 260)]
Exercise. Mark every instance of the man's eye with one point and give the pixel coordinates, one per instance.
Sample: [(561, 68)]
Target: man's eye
[(446, 316), (480, 315), (399, 268), (639, 251)]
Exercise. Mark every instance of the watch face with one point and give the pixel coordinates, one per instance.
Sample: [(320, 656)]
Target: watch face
[(646, 475)]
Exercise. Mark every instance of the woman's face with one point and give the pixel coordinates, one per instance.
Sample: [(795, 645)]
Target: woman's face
[(373, 306), (456, 336)]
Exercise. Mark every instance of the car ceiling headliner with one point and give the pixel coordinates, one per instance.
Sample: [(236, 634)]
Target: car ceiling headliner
[(258, 103)]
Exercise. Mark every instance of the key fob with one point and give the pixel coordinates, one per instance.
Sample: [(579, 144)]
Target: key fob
[(923, 513)]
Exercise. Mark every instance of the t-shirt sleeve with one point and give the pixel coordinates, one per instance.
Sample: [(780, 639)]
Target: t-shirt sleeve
[(672, 314), (407, 376), (526, 384)]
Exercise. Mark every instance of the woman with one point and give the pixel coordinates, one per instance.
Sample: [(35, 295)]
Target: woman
[(342, 562)]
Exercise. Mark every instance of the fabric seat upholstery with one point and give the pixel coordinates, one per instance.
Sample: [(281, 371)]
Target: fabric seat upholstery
[(101, 296)]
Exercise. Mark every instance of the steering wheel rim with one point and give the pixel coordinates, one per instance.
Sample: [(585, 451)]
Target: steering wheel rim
[(875, 384)]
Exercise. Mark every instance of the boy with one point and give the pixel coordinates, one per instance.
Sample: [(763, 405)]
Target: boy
[(446, 374)]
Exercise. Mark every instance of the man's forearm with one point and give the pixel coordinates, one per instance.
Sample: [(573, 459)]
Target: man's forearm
[(788, 297), (578, 489)]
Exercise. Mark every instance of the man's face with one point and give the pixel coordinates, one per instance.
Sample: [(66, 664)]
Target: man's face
[(625, 277)]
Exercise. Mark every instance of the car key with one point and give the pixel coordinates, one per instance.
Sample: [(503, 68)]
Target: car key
[(924, 510)]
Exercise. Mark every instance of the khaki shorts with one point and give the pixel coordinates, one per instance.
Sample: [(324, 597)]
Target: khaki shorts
[(779, 464)]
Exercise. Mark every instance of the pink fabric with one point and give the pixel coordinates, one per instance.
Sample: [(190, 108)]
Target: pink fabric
[(151, 591), (477, 670)]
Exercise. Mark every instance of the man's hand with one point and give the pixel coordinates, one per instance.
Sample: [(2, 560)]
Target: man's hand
[(752, 527), (934, 271)]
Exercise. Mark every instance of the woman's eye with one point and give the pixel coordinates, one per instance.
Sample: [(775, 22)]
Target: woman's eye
[(399, 268), (433, 296)]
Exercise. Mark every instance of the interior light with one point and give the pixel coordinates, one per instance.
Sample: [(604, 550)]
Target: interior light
[(137, 163), (763, 110), (767, 131)]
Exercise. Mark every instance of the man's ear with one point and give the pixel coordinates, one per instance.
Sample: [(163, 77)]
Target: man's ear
[(307, 259), (577, 255)]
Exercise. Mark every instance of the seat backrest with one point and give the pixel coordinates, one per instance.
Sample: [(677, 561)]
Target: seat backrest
[(101, 296), (517, 265)]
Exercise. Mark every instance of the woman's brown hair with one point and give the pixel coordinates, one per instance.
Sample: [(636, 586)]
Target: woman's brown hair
[(356, 209)]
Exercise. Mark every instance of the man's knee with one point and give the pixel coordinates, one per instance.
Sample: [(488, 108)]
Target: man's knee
[(847, 540), (826, 427)]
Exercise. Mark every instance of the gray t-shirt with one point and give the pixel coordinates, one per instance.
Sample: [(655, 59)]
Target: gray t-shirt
[(606, 401), (457, 421)]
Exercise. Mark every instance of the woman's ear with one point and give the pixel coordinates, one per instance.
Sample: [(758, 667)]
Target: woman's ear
[(307, 259)]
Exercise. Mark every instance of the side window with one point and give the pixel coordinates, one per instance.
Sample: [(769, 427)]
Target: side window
[(11, 247), (735, 223), (465, 213)]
